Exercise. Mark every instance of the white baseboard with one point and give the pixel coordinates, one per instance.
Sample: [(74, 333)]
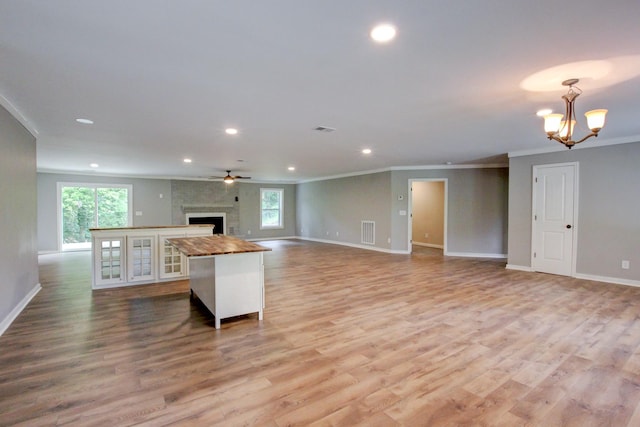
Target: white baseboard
[(595, 278), (403, 252), (428, 245), (519, 267), (476, 255), (615, 280), (353, 245), (257, 239), (4, 325)]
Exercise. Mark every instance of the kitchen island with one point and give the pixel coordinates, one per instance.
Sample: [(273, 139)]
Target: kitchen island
[(225, 273)]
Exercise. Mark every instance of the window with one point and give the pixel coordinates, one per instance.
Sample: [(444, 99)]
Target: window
[(85, 206), (271, 207)]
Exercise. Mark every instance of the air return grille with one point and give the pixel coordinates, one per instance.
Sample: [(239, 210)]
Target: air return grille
[(368, 233)]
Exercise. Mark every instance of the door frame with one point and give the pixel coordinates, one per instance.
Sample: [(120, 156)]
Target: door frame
[(95, 185), (410, 215), (574, 243)]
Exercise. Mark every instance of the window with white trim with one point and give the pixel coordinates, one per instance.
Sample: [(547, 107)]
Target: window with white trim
[(271, 202)]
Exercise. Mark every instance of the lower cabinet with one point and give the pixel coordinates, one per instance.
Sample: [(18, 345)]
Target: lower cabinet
[(137, 255), (173, 265), (108, 261), (141, 256)]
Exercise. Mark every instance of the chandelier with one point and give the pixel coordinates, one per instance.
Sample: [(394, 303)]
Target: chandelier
[(560, 127)]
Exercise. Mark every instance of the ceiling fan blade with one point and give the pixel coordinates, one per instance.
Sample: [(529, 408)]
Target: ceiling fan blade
[(228, 176)]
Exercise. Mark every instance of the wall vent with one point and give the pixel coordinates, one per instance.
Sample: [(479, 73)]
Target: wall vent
[(324, 129), (368, 233)]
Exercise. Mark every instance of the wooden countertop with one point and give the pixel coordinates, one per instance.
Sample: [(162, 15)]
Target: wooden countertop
[(217, 244), (146, 227)]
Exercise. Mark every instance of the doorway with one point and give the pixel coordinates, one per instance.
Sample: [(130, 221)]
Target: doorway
[(428, 214), (554, 218)]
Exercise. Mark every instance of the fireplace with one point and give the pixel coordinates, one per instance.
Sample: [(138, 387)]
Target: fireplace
[(218, 219)]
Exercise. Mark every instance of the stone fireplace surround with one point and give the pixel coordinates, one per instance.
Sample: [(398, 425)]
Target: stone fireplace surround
[(205, 197)]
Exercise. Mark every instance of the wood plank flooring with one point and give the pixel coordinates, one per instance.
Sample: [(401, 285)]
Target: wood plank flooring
[(350, 337)]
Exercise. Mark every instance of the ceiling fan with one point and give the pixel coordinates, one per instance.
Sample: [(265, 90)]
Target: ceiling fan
[(228, 178)]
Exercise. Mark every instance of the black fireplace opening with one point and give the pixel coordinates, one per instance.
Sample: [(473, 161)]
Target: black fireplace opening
[(217, 221)]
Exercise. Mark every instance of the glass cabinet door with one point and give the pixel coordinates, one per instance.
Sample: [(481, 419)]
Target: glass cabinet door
[(109, 265), (141, 256), (172, 262)]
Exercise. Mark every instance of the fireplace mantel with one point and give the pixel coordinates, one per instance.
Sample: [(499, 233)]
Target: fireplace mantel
[(204, 208)]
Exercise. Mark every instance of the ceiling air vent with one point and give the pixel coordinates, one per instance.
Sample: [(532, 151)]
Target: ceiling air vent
[(324, 129)]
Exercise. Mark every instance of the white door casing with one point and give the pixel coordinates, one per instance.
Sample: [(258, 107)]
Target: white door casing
[(554, 231), (445, 181)]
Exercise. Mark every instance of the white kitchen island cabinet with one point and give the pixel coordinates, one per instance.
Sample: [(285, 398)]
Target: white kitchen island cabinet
[(137, 255), (225, 273)]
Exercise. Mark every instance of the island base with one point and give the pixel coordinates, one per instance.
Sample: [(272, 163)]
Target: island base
[(229, 285)]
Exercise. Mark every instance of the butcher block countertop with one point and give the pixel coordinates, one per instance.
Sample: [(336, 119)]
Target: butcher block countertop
[(217, 244), (149, 227)]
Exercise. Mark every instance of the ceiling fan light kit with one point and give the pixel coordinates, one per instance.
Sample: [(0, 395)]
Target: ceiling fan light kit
[(228, 178), (559, 127)]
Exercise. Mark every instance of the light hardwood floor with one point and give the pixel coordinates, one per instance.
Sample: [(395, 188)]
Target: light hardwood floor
[(350, 337)]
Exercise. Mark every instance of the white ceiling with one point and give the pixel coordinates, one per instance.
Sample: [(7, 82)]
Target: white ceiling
[(162, 79)]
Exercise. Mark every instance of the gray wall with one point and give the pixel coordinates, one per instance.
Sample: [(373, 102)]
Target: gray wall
[(332, 206), (197, 196), (477, 212), (18, 201), (243, 215), (250, 211), (477, 209), (608, 208), (146, 199)]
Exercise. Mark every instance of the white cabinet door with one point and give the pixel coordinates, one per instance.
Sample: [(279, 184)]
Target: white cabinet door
[(141, 255), (109, 258), (171, 262)]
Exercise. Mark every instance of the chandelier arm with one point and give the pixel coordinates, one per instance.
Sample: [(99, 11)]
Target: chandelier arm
[(560, 140), (587, 137)]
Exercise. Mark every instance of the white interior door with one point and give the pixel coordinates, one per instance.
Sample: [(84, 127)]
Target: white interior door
[(554, 213)]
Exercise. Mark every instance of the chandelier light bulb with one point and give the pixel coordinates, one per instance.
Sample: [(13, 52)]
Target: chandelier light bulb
[(552, 123), (595, 119)]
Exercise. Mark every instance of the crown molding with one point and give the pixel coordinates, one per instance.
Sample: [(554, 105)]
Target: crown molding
[(8, 105), (557, 147)]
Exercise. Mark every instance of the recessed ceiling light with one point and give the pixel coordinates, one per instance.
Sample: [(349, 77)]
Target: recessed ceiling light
[(187, 160), (366, 151), (291, 168), (85, 121), (544, 112), (231, 131), (94, 165), (383, 33)]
